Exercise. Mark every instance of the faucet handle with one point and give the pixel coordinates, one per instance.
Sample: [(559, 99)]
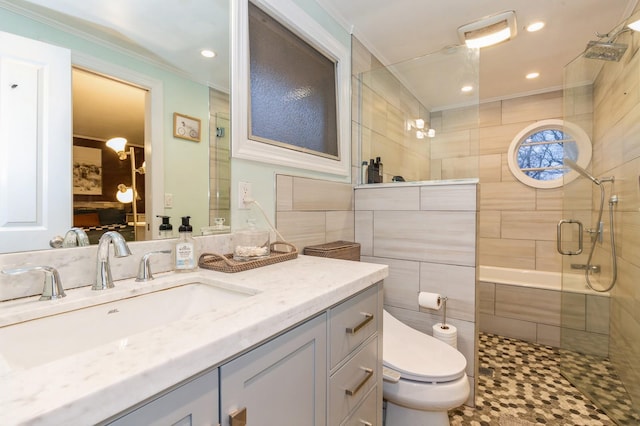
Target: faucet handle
[(52, 283), (144, 269)]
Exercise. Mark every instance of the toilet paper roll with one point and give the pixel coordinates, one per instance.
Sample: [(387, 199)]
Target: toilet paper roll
[(448, 335), (429, 300)]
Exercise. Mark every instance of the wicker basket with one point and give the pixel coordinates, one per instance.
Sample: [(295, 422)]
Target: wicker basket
[(346, 250), (225, 262)]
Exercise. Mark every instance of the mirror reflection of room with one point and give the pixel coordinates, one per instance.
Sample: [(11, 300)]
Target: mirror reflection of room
[(106, 178)]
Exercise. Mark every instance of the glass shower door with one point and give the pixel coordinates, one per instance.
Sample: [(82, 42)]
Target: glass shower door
[(591, 341)]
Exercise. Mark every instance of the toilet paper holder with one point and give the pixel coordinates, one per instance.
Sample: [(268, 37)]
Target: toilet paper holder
[(444, 325)]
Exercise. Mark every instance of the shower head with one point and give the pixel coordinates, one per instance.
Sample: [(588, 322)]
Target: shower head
[(606, 51), (569, 162)]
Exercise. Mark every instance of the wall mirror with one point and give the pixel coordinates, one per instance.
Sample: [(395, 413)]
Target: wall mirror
[(161, 56)]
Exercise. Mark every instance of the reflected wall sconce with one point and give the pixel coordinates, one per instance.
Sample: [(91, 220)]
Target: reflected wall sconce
[(488, 31), (422, 130), (126, 194)]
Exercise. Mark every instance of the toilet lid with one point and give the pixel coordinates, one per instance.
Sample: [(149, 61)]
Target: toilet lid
[(418, 356)]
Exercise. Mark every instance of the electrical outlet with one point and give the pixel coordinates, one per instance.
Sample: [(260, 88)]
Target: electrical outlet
[(168, 200), (244, 191)]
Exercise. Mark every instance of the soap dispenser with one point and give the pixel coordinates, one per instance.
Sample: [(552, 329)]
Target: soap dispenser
[(166, 229), (185, 253)]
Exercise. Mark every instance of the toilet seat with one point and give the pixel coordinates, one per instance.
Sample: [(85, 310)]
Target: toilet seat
[(418, 356)]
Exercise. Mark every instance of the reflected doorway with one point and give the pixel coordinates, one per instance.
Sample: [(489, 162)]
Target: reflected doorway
[(105, 108)]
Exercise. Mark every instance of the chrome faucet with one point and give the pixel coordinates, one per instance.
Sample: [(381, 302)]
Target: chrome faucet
[(103, 268), (52, 284), (144, 270), (75, 237)]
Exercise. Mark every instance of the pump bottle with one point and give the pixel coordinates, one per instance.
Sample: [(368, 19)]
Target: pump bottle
[(166, 229), (185, 253)]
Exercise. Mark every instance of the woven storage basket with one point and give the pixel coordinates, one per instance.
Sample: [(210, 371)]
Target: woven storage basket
[(346, 250), (225, 262)]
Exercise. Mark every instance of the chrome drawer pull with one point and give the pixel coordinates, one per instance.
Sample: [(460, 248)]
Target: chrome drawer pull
[(354, 330), (368, 375)]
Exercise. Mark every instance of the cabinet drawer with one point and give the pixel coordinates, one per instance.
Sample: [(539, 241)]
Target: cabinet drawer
[(367, 413), (352, 382), (352, 322)]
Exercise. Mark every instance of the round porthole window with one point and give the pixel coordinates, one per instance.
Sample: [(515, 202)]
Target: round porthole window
[(536, 153)]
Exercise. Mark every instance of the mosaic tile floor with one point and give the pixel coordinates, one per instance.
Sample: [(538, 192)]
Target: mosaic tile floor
[(520, 384)]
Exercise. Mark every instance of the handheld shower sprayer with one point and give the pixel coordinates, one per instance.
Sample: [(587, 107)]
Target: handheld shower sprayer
[(569, 162)]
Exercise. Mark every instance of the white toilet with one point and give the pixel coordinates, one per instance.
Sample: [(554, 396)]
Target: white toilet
[(423, 377)]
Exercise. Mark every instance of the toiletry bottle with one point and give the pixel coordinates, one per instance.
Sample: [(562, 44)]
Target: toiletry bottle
[(363, 172), (166, 229), (380, 171), (371, 172), (185, 248)]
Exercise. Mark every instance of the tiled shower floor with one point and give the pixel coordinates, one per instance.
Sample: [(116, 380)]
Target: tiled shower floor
[(520, 384)]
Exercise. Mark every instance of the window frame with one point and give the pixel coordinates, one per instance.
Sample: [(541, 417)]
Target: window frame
[(583, 144), (299, 22)]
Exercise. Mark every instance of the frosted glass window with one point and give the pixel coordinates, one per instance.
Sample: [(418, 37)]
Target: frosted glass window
[(292, 89)]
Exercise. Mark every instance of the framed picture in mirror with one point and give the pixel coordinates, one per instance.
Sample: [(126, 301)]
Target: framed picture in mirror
[(186, 127)]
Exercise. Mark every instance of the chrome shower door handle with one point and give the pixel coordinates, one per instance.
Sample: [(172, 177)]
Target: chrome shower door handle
[(559, 237)]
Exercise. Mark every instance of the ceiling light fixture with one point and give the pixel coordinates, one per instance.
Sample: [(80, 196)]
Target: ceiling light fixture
[(532, 75), (208, 53), (535, 26), (488, 31), (466, 89)]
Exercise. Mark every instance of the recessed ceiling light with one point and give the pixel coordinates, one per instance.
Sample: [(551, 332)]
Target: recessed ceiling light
[(535, 26), (466, 88), (533, 75), (208, 53)]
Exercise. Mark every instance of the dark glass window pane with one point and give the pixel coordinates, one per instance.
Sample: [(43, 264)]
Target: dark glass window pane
[(293, 89)]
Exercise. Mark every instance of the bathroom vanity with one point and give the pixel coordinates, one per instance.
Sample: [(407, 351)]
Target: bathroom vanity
[(303, 347)]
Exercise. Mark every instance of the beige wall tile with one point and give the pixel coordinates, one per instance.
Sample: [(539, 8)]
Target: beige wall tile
[(487, 298), (573, 310), (364, 231), (547, 257), (508, 327), (448, 197), (536, 107), (548, 335), (528, 304), (451, 144), (507, 196), (490, 114), (302, 228), (457, 283), (460, 168), (402, 285), (549, 199), (398, 198), (597, 316), (530, 225), (460, 119), (489, 224), (426, 236), (518, 254), (340, 226), (284, 193), (496, 139), (490, 168), (320, 195)]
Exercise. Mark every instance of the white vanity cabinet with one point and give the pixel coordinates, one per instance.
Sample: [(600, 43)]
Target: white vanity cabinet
[(325, 371), (193, 403), (282, 382)]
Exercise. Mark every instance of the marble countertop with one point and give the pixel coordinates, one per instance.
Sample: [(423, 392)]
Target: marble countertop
[(94, 385)]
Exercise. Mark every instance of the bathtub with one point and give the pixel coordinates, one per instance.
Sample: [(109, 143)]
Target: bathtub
[(535, 305), (573, 283)]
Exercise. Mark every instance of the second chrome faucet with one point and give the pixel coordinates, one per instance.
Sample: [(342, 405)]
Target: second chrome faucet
[(103, 267)]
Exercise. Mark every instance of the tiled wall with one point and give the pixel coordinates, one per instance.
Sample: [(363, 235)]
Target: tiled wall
[(313, 211), (426, 234), (535, 315), (517, 223)]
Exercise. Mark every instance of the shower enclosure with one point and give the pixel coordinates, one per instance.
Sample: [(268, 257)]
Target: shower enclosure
[(601, 353)]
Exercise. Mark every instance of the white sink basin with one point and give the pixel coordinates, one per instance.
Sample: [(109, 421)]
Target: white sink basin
[(32, 343)]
